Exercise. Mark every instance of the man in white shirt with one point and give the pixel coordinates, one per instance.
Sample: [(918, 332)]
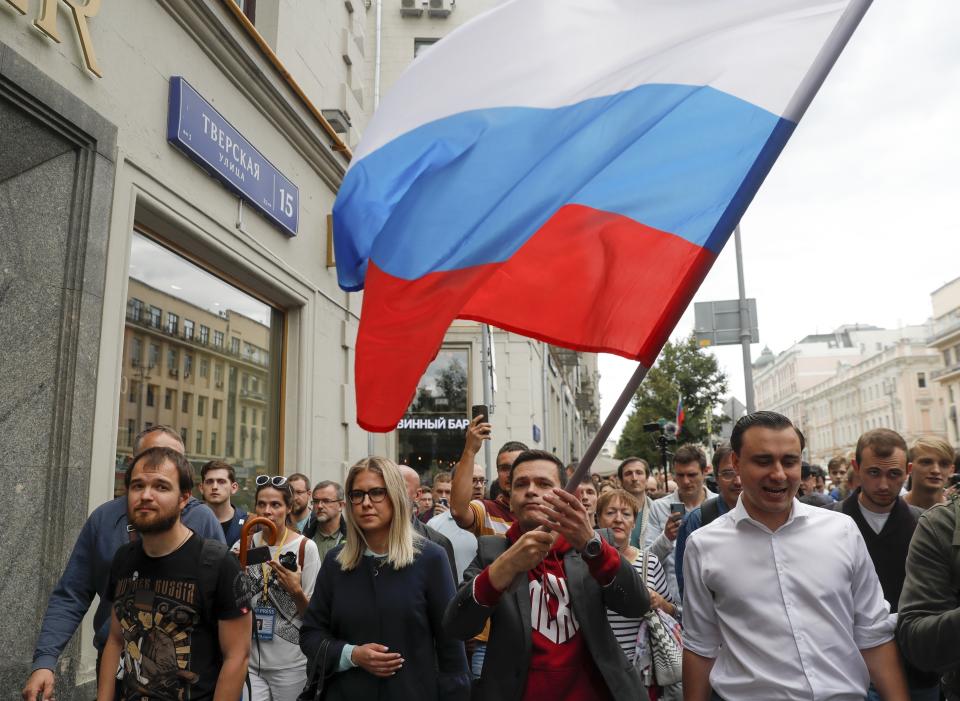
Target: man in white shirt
[(768, 613)]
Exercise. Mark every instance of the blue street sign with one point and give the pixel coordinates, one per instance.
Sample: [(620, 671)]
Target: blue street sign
[(204, 135)]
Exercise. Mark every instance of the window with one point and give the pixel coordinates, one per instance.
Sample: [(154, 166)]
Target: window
[(131, 432), (946, 357), (243, 416), (205, 306), (183, 436), (135, 310), (249, 8), (430, 435), (136, 351), (921, 380), (421, 46), (244, 381)]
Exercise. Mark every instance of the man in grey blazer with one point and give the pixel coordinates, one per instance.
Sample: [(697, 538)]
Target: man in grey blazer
[(546, 595)]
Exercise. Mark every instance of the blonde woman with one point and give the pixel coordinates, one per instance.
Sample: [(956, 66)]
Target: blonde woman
[(617, 510), (379, 601)]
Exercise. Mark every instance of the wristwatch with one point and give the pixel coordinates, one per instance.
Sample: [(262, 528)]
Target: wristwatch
[(592, 548)]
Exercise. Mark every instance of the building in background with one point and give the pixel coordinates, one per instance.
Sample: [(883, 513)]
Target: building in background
[(945, 340), (891, 388), (780, 380)]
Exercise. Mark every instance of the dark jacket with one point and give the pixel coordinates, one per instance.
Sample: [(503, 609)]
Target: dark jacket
[(435, 536), (508, 650), (888, 548), (310, 529), (928, 624), (402, 609)]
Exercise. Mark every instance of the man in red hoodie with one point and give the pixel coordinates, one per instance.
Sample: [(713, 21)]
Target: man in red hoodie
[(546, 595)]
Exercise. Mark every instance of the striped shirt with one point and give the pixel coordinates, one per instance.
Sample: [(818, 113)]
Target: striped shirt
[(626, 629), (491, 517)]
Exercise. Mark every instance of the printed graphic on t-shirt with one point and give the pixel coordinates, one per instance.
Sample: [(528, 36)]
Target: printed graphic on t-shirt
[(550, 611), (284, 625), (157, 617)]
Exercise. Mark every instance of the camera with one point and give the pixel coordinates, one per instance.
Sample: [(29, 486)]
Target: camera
[(954, 479), (288, 560)]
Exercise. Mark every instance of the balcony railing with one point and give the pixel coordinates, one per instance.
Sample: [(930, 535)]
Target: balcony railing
[(944, 372), (945, 327)]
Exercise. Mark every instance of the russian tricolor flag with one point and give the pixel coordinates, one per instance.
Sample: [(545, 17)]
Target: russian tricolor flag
[(569, 170)]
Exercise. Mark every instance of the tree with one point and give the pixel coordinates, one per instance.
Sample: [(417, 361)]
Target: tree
[(683, 369)]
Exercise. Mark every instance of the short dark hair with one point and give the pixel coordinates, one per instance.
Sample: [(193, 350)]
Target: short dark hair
[(155, 457), (329, 483), (512, 447), (763, 419), (300, 476), (623, 465), (531, 455), (442, 476), (882, 441), (720, 454), (838, 461), (155, 429), (217, 465), (689, 453)]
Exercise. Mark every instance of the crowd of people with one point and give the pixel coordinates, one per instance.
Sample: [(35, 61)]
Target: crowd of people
[(748, 576)]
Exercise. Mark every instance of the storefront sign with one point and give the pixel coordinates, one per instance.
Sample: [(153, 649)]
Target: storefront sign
[(434, 423), (46, 22), (203, 134)]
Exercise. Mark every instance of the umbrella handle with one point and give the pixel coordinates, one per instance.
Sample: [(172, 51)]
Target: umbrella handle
[(244, 535)]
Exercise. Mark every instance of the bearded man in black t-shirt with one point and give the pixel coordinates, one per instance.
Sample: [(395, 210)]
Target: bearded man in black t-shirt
[(180, 628)]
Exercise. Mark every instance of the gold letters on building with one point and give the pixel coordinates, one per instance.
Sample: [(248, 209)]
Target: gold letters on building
[(46, 22)]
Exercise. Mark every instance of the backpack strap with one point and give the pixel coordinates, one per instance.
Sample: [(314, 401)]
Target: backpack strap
[(709, 511), (212, 553), (303, 547)]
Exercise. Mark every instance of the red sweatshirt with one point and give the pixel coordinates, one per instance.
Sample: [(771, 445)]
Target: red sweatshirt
[(561, 667)]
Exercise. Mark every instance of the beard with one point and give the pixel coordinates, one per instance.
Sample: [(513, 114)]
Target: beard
[(158, 522)]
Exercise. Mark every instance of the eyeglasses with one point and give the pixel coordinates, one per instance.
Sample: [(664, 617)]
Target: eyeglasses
[(327, 502), (276, 480), (504, 467), (377, 494), (727, 475), (479, 480)]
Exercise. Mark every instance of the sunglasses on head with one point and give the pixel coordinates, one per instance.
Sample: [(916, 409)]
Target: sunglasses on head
[(276, 480)]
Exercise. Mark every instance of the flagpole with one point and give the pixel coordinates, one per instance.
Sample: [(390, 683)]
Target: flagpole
[(606, 428)]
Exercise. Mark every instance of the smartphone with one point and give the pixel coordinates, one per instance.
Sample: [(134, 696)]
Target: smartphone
[(678, 508), (445, 502), (954, 479), (480, 410)]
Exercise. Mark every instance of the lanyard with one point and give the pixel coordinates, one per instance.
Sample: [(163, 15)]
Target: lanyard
[(266, 568)]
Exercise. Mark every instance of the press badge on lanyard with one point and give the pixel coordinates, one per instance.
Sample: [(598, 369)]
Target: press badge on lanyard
[(265, 617)]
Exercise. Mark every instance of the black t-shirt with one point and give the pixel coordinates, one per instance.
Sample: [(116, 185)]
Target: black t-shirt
[(171, 650)]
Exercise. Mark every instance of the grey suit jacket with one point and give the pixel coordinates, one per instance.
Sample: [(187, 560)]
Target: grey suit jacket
[(508, 652)]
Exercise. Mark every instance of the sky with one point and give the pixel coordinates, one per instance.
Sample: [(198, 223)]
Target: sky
[(856, 221)]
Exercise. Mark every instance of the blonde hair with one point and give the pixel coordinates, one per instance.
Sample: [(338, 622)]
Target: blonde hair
[(403, 543), (932, 444)]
